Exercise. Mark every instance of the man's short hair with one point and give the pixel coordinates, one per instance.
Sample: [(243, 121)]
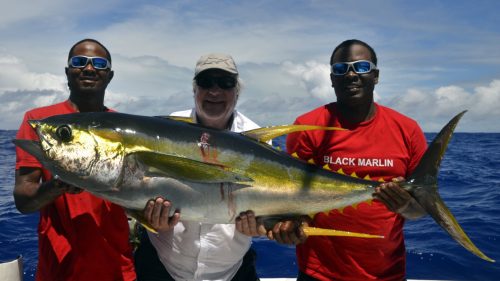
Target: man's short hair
[(349, 43), (70, 54)]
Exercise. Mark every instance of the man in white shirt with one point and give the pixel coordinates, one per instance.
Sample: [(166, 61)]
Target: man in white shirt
[(193, 250)]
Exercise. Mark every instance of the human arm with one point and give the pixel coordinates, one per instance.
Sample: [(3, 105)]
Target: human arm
[(156, 212), (30, 194), (398, 200)]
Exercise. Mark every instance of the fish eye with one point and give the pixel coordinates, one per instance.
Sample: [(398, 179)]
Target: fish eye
[(64, 133)]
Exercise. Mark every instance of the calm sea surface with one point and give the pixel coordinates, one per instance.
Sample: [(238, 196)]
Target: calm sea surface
[(469, 183)]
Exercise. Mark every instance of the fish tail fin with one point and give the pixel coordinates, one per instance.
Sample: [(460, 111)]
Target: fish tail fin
[(424, 188)]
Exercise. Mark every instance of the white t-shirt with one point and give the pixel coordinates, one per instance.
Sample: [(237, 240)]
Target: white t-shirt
[(199, 251)]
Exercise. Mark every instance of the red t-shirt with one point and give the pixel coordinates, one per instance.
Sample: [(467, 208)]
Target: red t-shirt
[(80, 236), (387, 146)]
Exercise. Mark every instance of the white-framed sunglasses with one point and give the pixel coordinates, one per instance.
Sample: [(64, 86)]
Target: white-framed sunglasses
[(82, 61), (359, 66)]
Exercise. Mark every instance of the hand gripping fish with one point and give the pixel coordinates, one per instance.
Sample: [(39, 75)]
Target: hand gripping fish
[(213, 175)]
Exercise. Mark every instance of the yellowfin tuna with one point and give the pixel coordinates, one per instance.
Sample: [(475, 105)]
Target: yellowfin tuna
[(213, 175)]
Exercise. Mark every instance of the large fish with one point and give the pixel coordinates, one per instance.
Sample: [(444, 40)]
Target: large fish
[(213, 175)]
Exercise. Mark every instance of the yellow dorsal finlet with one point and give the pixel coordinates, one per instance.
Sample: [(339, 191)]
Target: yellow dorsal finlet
[(326, 167), (340, 171), (266, 134), (311, 161), (180, 119), (295, 155)]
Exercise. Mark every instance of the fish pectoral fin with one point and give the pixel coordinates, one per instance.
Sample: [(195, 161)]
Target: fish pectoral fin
[(186, 169), (266, 134), (314, 231)]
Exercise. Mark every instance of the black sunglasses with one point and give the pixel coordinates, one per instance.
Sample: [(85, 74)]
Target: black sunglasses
[(208, 82)]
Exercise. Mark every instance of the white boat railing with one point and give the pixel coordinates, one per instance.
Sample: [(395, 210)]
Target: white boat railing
[(12, 270)]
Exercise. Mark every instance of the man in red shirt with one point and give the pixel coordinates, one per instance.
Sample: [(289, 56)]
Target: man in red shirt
[(80, 236), (381, 144)]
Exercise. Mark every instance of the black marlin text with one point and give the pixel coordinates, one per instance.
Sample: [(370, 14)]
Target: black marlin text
[(361, 162)]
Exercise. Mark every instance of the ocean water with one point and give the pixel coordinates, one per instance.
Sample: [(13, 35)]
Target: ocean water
[(469, 183)]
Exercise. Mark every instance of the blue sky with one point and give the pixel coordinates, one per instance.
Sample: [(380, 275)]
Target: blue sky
[(436, 58)]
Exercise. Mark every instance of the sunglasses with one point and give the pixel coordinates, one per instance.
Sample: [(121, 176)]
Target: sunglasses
[(359, 66), (224, 82), (82, 61)]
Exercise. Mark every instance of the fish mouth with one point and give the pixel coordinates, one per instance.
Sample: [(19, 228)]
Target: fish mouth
[(35, 124)]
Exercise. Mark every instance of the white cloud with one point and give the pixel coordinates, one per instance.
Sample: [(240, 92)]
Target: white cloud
[(276, 108), (449, 99), (15, 103), (14, 75), (282, 53), (273, 93), (432, 109), (314, 77), (487, 100), (21, 89)]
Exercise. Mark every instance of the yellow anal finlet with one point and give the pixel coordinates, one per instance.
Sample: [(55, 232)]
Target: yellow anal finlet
[(314, 231)]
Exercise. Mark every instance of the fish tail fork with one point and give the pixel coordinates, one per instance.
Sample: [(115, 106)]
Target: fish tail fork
[(422, 184)]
